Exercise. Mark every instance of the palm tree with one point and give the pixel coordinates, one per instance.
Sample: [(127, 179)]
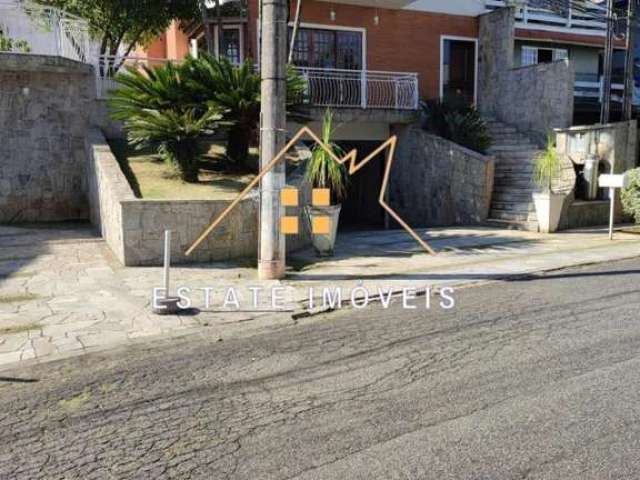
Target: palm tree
[(235, 89), (157, 111)]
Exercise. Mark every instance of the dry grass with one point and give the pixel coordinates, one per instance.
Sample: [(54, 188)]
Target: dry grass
[(19, 297), (11, 329), (151, 178)]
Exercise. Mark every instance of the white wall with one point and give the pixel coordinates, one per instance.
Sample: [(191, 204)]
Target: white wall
[(452, 7)]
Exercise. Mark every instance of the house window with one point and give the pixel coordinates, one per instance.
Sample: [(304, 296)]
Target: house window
[(320, 48), (230, 44), (535, 55), (529, 56)]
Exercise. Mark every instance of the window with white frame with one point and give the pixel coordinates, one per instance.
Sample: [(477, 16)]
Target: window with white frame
[(535, 55)]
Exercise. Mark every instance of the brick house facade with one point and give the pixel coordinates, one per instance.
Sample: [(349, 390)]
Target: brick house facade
[(424, 37)]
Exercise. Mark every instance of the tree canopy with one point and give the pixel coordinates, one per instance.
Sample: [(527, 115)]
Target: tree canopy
[(126, 23)]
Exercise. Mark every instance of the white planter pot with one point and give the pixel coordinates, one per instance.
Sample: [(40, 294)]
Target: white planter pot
[(548, 209), (324, 244)]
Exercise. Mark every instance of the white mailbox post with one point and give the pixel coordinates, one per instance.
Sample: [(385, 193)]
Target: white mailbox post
[(612, 182)]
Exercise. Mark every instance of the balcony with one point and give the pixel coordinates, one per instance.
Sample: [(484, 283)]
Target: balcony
[(336, 88), (587, 21), (325, 87), (590, 89)]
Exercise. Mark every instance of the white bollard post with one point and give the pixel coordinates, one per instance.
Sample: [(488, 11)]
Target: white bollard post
[(612, 212), (167, 261), (166, 305)]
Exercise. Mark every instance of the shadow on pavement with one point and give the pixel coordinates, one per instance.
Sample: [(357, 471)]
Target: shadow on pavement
[(23, 244)]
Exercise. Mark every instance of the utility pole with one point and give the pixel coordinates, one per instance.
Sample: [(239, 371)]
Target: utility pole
[(296, 25), (629, 68), (271, 256), (608, 63)]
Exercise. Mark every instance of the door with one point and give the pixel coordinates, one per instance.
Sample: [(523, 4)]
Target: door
[(458, 68)]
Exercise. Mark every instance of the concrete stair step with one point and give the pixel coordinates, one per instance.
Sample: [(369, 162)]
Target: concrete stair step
[(522, 156), (508, 215), (497, 131), (518, 166), (515, 148), (515, 207), (513, 172), (531, 226), (510, 190), (507, 199), (511, 137), (512, 179)]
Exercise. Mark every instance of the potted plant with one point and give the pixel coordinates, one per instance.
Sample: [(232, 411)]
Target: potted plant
[(548, 203), (323, 172)]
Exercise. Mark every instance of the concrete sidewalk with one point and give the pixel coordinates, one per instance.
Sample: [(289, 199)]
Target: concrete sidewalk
[(62, 292), (466, 256)]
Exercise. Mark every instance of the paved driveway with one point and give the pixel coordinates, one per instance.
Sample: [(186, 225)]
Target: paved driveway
[(63, 292)]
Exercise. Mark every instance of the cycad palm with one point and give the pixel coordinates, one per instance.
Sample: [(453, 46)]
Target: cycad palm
[(236, 92), (157, 111), (235, 89)]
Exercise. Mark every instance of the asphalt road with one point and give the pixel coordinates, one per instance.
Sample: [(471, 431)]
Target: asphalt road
[(530, 379)]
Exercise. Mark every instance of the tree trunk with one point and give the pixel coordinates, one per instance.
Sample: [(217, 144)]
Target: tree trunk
[(189, 171), (238, 141)]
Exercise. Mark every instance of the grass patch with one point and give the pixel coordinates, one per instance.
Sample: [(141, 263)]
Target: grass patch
[(20, 297), (17, 275), (19, 328), (151, 178), (634, 230), (76, 402)]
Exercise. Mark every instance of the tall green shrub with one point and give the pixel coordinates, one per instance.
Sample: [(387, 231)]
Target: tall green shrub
[(322, 170), (456, 120), (547, 166), (631, 196)]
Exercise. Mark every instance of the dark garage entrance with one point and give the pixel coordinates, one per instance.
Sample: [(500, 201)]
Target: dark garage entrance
[(360, 209)]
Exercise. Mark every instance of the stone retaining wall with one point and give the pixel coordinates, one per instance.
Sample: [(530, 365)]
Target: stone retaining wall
[(134, 228), (435, 182), (534, 99), (45, 106)]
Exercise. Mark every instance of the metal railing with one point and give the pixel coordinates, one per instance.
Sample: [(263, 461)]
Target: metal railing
[(107, 67), (330, 87), (324, 87), (593, 90), (46, 30), (587, 21)]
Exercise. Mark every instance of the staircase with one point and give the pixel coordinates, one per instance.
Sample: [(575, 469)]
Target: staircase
[(512, 204)]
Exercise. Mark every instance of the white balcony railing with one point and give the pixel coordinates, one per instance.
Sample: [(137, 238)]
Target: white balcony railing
[(46, 30), (588, 20), (593, 91), (324, 87), (330, 87)]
